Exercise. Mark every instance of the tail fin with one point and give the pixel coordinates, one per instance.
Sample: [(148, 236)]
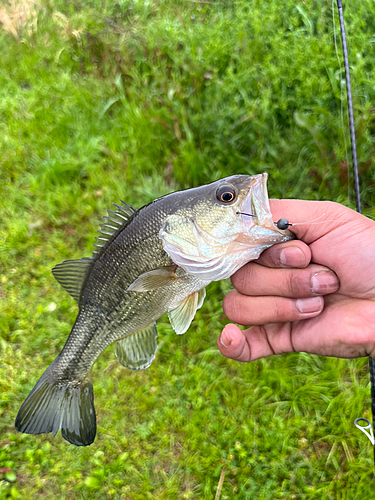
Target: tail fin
[(56, 404)]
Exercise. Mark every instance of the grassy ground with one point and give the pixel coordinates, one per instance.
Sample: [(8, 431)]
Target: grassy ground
[(101, 100)]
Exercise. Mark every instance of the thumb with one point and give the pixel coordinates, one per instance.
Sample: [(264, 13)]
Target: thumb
[(312, 219), (255, 342)]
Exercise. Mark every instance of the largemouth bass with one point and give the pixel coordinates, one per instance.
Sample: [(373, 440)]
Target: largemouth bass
[(147, 262)]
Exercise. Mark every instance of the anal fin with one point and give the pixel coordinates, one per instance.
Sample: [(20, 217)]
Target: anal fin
[(137, 351)]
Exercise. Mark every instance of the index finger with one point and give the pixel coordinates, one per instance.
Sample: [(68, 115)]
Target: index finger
[(289, 254)]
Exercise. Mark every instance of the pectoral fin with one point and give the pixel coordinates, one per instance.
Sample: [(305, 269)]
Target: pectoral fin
[(201, 297), (152, 280), (137, 351), (183, 315)]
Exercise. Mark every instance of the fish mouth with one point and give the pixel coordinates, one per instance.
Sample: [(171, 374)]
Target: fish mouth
[(256, 205)]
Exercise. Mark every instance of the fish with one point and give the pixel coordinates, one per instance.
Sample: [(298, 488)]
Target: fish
[(147, 262)]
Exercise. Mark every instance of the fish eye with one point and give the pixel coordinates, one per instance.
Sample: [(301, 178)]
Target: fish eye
[(226, 194)]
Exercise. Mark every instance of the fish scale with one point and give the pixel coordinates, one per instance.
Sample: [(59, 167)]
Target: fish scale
[(147, 262), (105, 289)]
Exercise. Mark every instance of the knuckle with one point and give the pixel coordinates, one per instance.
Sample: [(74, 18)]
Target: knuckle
[(235, 279), (229, 305), (298, 284), (270, 257), (278, 312), (235, 307), (242, 277), (294, 284), (281, 310), (249, 278)]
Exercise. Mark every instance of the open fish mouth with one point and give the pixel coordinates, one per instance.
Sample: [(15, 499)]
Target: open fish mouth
[(257, 206), (239, 236), (256, 203)]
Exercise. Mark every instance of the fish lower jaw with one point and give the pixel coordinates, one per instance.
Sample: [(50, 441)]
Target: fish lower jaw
[(260, 235)]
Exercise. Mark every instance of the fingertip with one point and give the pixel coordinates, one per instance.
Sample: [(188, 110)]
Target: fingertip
[(311, 306), (294, 254), (226, 337), (232, 343)]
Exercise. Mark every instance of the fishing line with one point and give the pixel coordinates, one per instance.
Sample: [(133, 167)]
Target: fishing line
[(312, 221), (350, 108), (284, 223), (341, 97)]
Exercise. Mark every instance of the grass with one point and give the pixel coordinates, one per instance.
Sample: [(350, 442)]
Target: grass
[(101, 100)]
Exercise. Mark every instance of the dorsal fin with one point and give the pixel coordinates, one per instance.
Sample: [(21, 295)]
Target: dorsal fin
[(71, 275), (113, 222)]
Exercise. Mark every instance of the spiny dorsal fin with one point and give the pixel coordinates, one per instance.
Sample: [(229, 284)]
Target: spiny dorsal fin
[(71, 275), (113, 222)]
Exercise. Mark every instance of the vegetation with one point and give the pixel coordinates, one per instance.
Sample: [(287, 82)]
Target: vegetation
[(132, 99)]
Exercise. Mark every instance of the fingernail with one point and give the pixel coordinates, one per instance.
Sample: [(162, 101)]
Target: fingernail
[(225, 338), (292, 257), (324, 282), (311, 305)]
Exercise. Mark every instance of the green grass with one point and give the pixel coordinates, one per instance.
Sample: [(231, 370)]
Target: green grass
[(101, 100)]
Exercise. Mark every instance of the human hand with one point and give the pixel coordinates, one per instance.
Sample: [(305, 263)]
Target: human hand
[(316, 295)]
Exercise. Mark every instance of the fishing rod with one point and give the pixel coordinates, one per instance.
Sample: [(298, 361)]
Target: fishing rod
[(358, 421)]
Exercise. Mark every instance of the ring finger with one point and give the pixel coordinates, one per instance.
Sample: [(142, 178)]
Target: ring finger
[(246, 310)]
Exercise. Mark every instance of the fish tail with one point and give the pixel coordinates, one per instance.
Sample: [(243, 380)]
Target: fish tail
[(55, 404)]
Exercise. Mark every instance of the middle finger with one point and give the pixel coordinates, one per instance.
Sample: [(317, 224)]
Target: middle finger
[(254, 279)]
